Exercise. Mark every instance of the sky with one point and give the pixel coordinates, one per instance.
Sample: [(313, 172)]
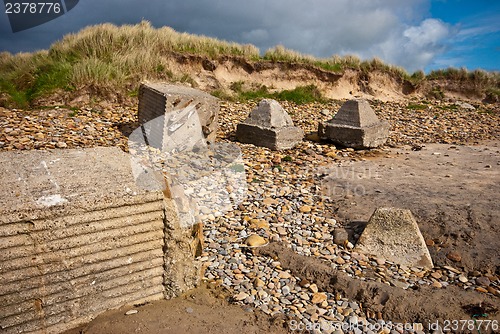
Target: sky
[(414, 34)]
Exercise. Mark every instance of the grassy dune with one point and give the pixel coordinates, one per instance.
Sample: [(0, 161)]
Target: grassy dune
[(108, 58)]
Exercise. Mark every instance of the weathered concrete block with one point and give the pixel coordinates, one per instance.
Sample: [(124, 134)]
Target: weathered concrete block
[(393, 234), (173, 108), (78, 236), (269, 125), (355, 125)]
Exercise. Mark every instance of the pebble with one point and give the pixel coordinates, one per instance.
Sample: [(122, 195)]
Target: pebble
[(340, 235), (241, 296), (305, 209), (255, 241), (400, 284), (318, 297), (437, 285), (483, 281), (131, 312), (436, 275), (284, 275), (313, 288), (258, 283), (455, 270), (281, 203), (454, 256)]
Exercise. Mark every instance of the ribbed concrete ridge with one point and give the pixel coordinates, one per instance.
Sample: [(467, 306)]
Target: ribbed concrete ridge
[(77, 237)]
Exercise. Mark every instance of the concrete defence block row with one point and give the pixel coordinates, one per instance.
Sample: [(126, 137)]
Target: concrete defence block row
[(355, 125)]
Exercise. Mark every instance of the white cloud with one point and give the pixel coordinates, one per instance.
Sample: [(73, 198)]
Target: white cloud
[(429, 33), (414, 47)]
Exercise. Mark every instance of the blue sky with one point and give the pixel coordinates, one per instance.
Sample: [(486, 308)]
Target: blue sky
[(476, 39), (414, 34)]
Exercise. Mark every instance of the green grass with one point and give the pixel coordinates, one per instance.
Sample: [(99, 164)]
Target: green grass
[(450, 107), (413, 106), (493, 91), (260, 93), (49, 78), (299, 95), (436, 93)]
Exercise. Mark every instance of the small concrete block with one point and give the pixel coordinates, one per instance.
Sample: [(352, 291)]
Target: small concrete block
[(355, 125), (393, 234), (269, 126)]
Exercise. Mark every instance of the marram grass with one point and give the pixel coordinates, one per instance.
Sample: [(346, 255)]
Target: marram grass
[(106, 58)]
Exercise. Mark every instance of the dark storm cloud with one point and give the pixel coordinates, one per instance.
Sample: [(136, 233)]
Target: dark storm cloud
[(390, 29)]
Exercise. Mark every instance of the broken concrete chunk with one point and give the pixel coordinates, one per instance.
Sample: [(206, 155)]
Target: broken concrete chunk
[(355, 125), (178, 105), (270, 126), (393, 234)]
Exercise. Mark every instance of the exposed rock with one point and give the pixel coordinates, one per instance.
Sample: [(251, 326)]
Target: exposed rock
[(393, 234), (269, 125), (355, 125)]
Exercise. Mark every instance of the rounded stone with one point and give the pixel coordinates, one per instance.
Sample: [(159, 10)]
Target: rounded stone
[(340, 235), (483, 281), (454, 256), (255, 240)]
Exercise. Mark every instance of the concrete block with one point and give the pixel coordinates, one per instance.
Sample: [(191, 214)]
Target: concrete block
[(79, 237), (166, 109), (355, 125), (393, 234), (269, 125)]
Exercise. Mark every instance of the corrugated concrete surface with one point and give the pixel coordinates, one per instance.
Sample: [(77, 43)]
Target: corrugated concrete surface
[(77, 237)]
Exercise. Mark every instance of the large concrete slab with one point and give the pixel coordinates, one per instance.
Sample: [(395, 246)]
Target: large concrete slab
[(393, 234), (79, 237), (270, 126), (355, 125)]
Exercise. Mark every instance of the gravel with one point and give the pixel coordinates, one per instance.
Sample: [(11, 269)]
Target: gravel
[(274, 195)]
